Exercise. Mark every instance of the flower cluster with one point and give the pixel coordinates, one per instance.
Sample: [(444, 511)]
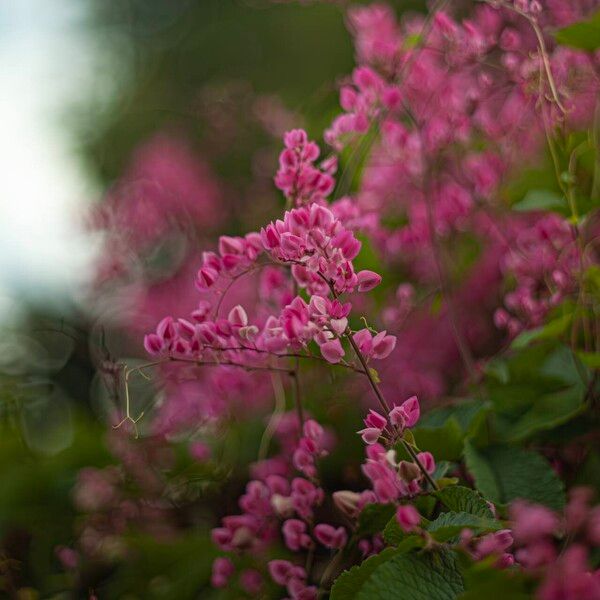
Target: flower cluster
[(391, 478), (544, 262), (400, 417), (297, 177), (319, 252), (278, 504), (564, 573)]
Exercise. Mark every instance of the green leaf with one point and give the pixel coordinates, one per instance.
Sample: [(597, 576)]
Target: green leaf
[(552, 330), (350, 581), (504, 473), (540, 200), (398, 575), (466, 414), (544, 389), (462, 499), (449, 525), (584, 34), (547, 412), (445, 443), (484, 580), (590, 359), (373, 518)]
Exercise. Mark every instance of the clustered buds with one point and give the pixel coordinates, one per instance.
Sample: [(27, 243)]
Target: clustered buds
[(298, 178), (545, 263), (400, 417), (277, 506), (392, 479)]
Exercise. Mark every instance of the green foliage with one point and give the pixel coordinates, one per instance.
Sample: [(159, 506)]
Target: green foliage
[(536, 389), (442, 431), (373, 518), (483, 580), (461, 499), (169, 570), (552, 330), (449, 525), (400, 575), (584, 34), (504, 473), (445, 527), (541, 200)]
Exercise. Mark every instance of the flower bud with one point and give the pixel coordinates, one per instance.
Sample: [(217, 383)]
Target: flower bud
[(408, 471)]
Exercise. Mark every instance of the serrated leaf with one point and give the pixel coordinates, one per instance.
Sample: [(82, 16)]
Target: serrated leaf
[(505, 473), (349, 581), (402, 576), (462, 499), (449, 525), (354, 578), (584, 34), (426, 576)]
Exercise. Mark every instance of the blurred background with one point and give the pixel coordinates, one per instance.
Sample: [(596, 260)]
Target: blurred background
[(132, 133)]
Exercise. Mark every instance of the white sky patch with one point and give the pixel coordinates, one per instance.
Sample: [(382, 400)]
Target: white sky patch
[(46, 64)]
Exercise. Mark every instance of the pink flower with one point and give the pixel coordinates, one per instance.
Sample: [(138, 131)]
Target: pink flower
[(374, 419), (199, 451), (407, 414), (331, 537), (383, 345), (370, 435), (408, 517), (332, 351), (282, 571), (153, 344), (222, 570), (367, 280), (237, 316), (379, 346), (427, 460), (532, 522), (294, 534), (251, 581)]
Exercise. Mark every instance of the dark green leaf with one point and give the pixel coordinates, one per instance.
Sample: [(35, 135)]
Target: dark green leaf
[(483, 580), (449, 525), (445, 443), (552, 330), (504, 473), (374, 518), (398, 575), (461, 499)]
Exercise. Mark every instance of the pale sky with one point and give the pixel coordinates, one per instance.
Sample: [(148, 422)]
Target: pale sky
[(46, 65)]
